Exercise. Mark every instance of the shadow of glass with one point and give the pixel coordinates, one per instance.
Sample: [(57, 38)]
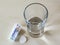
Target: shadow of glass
[(35, 41), (52, 34)]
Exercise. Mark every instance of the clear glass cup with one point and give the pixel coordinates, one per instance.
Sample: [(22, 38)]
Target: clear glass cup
[(35, 15)]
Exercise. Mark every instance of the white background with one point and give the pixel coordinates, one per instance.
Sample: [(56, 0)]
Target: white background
[(11, 11)]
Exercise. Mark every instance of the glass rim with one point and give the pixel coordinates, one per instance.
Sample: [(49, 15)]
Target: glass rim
[(33, 4)]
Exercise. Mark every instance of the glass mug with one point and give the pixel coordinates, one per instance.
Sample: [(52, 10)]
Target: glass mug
[(35, 15)]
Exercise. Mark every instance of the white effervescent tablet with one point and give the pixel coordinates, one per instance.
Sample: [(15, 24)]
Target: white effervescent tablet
[(22, 39)]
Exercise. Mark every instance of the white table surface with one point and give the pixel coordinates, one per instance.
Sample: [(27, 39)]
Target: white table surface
[(11, 11)]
